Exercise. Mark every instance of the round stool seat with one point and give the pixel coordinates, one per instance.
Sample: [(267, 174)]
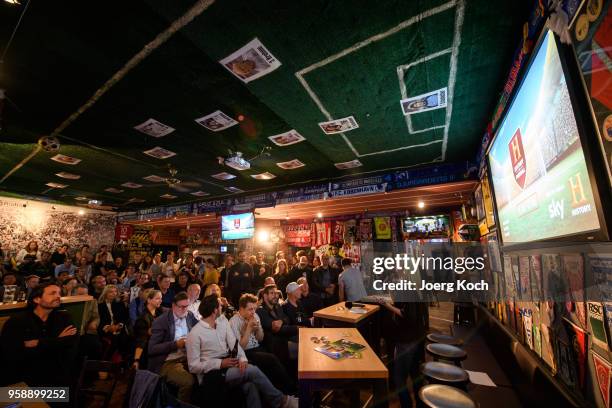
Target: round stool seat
[(443, 396), (444, 339), (445, 373), (446, 352)]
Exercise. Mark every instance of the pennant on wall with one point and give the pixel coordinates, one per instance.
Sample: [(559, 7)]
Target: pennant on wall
[(597, 325), (322, 233), (579, 343), (603, 372), (365, 229), (382, 226)]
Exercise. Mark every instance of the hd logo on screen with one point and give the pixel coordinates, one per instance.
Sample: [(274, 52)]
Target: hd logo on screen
[(517, 155)]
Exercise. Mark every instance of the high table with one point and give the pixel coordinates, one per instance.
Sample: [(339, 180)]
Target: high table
[(339, 316), (317, 371)]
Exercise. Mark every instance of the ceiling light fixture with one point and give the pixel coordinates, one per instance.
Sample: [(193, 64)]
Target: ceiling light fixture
[(81, 212), (13, 1), (421, 204), (319, 215)]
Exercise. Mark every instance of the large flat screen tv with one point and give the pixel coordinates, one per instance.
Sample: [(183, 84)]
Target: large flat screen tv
[(538, 168), (237, 226)]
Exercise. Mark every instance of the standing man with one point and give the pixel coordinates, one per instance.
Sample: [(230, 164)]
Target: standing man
[(323, 281), (351, 282), (167, 356), (224, 274), (299, 270), (38, 343), (241, 278)]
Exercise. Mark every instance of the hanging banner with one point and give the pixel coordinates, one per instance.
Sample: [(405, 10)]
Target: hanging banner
[(322, 233), (213, 206), (310, 193), (382, 226), (600, 268), (179, 210), (573, 267), (355, 191), (365, 229), (123, 232), (353, 252), (442, 173), (526, 314), (151, 213), (603, 373), (298, 234), (337, 231)]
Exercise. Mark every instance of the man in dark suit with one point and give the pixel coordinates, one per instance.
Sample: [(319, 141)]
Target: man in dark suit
[(167, 356)]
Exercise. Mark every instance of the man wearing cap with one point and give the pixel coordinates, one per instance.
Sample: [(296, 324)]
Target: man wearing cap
[(293, 306)]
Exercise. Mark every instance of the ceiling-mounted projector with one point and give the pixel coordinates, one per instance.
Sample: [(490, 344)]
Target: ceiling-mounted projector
[(236, 161)]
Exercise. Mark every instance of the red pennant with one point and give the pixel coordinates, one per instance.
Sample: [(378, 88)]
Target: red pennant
[(603, 374)]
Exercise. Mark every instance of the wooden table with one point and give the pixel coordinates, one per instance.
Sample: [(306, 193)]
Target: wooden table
[(339, 316), (317, 371)]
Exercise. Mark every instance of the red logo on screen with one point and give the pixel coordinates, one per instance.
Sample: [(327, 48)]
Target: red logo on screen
[(517, 154), (237, 223)]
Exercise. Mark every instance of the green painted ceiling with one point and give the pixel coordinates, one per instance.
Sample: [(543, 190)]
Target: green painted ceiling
[(350, 52)]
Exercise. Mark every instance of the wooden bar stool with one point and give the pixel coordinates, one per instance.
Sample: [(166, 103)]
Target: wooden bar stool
[(444, 339), (446, 352), (444, 396), (442, 373)]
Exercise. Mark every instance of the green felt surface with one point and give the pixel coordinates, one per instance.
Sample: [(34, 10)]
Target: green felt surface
[(66, 50)]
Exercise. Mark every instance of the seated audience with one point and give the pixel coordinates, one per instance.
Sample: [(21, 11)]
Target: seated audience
[(65, 266), (31, 281), (293, 306), (207, 350), (69, 284), (310, 302), (193, 293), (247, 329), (143, 278), (9, 279), (164, 283), (97, 286), (182, 281), (28, 254), (130, 276), (278, 331), (142, 326), (113, 321), (167, 355), (37, 344), (350, 282), (137, 306)]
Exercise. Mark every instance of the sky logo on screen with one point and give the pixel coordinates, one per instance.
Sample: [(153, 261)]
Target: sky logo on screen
[(555, 209), (237, 223), (517, 154)]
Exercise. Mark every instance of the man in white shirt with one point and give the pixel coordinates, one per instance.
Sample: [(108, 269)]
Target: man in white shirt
[(247, 328), (209, 345), (193, 292)]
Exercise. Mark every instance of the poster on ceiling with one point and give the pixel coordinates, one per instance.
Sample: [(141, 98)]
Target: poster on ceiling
[(250, 62)]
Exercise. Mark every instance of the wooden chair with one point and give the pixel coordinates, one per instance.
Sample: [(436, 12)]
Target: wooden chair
[(86, 387)]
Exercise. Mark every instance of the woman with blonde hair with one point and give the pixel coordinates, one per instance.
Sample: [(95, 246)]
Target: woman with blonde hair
[(113, 321)]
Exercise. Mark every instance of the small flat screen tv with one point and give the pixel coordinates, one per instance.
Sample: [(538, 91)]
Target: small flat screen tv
[(538, 168), (427, 227), (237, 226)]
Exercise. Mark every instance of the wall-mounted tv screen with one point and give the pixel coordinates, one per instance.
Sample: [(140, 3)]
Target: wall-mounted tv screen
[(539, 174), (237, 226), (428, 227)]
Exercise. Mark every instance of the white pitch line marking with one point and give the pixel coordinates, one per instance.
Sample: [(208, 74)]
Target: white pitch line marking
[(401, 71), (404, 24), (403, 148), (453, 71)]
